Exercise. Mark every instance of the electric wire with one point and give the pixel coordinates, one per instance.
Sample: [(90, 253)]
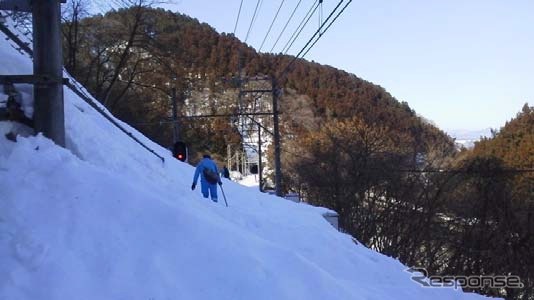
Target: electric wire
[(271, 26), (285, 26), (284, 71), (258, 3), (238, 14), (299, 29), (321, 13), (320, 27), (321, 33)]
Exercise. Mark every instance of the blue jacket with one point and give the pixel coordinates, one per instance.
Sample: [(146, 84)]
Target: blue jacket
[(205, 163)]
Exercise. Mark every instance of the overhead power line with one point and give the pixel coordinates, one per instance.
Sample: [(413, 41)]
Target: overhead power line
[(321, 12), (326, 29), (238, 14), (301, 26), (258, 4), (322, 25), (317, 34), (272, 23), (285, 26)]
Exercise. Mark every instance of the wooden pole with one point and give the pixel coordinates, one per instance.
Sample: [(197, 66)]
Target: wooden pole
[(276, 132), (260, 175)]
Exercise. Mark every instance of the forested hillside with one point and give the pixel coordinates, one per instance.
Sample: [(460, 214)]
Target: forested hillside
[(130, 60), (514, 143)]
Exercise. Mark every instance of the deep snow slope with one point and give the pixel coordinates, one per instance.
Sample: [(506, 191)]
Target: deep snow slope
[(105, 219)]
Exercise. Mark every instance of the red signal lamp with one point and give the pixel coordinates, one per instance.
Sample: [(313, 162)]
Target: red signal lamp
[(180, 151)]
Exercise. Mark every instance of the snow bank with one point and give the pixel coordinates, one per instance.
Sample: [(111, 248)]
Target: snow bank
[(105, 219)]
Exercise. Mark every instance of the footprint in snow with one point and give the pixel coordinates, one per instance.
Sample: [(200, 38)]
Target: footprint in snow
[(28, 252)]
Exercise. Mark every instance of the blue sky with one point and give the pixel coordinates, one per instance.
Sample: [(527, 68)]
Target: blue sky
[(461, 64)]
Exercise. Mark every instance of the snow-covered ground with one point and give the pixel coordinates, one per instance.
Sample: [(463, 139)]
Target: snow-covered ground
[(105, 219), (250, 180)]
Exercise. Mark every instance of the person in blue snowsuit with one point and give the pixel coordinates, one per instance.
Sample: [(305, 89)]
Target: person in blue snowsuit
[(207, 187)]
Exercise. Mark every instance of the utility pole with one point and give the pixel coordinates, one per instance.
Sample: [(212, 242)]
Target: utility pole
[(48, 61), (229, 157), (175, 132), (260, 176), (276, 133), (240, 86), (239, 103), (47, 77), (269, 86), (244, 162)]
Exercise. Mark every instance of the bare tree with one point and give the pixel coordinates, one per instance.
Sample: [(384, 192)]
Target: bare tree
[(72, 12), (131, 52)]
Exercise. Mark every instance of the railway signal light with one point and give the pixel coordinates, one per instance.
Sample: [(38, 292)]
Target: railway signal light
[(179, 151)]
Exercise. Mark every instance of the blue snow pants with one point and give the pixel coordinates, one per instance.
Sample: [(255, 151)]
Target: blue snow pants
[(207, 189)]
